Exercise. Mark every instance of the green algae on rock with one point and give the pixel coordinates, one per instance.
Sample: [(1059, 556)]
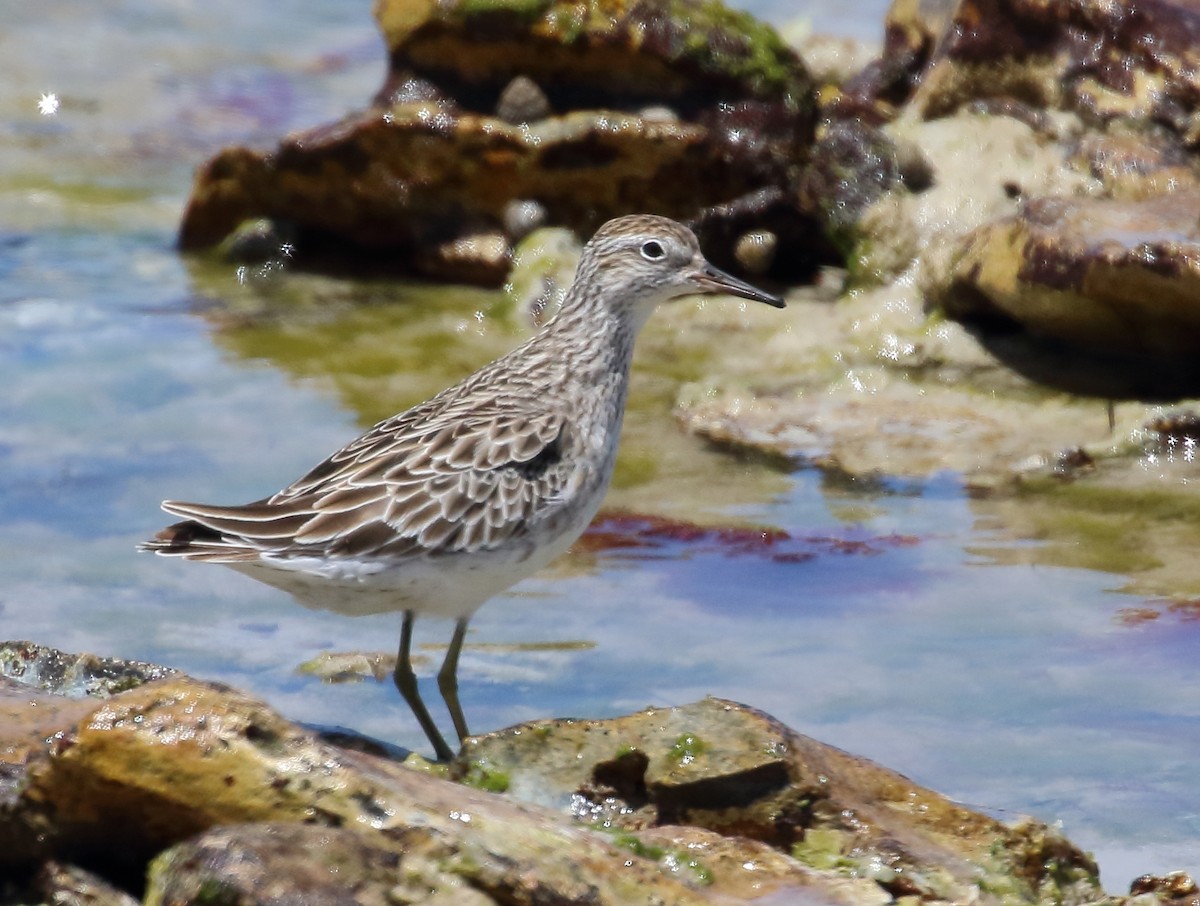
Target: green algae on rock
[(722, 767), (577, 112), (692, 52)]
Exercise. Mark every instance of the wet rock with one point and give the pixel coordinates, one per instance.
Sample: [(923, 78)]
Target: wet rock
[(1131, 165), (225, 801), (1134, 63), (742, 869), (734, 771), (1118, 277), (522, 101), (350, 666), (73, 675), (70, 885), (1177, 429), (272, 863), (852, 166), (877, 423), (118, 780), (465, 125), (256, 241), (755, 251), (1175, 887)]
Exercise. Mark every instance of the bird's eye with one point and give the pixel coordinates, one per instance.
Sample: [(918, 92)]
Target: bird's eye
[(653, 251)]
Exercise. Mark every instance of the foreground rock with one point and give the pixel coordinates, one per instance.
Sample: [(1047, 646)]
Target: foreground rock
[(216, 796), (735, 772), (501, 117)]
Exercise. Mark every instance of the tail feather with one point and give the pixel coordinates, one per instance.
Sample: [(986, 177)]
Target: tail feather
[(216, 534)]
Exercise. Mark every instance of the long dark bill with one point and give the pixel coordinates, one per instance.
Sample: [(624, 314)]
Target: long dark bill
[(714, 280)]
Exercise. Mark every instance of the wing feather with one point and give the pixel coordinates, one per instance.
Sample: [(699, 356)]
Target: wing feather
[(428, 481)]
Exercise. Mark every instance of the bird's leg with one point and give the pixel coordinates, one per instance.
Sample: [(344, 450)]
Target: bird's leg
[(448, 680), (406, 682)]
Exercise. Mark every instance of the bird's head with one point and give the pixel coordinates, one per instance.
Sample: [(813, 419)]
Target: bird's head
[(641, 260)]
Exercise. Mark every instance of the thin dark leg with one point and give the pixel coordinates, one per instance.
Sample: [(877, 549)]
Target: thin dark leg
[(406, 682), (448, 680)]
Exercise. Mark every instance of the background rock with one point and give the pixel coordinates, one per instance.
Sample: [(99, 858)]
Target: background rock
[(589, 112)]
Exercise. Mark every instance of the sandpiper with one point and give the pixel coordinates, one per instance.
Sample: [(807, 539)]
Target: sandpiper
[(439, 508)]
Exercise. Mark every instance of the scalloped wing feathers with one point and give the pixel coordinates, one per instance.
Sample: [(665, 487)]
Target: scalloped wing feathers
[(422, 482)]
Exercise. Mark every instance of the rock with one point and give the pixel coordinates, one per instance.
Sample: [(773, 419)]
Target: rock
[(1114, 277), (877, 92), (732, 770), (70, 885), (73, 676), (274, 863), (543, 267), (741, 869), (755, 251), (522, 101), (465, 126), (1136, 63), (173, 758), (256, 241), (1133, 166), (833, 60), (973, 168), (852, 166), (522, 217), (351, 666), (1175, 887), (712, 802), (481, 258), (874, 387), (694, 55)]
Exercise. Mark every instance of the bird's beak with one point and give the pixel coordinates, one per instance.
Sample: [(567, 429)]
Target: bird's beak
[(709, 279)]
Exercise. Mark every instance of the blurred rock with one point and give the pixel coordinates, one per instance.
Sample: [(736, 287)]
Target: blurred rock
[(1117, 277), (1136, 63), (70, 885), (487, 104)]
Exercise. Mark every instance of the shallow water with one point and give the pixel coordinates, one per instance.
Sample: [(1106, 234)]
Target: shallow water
[(903, 621)]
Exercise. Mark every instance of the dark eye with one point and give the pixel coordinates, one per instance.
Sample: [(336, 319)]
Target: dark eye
[(652, 250)]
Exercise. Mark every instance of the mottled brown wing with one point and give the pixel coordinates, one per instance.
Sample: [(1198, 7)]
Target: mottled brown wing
[(456, 481)]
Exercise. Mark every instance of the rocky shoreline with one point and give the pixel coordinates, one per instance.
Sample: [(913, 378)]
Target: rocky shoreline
[(126, 781)]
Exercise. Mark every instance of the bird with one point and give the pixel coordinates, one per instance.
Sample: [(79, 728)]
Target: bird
[(437, 509)]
